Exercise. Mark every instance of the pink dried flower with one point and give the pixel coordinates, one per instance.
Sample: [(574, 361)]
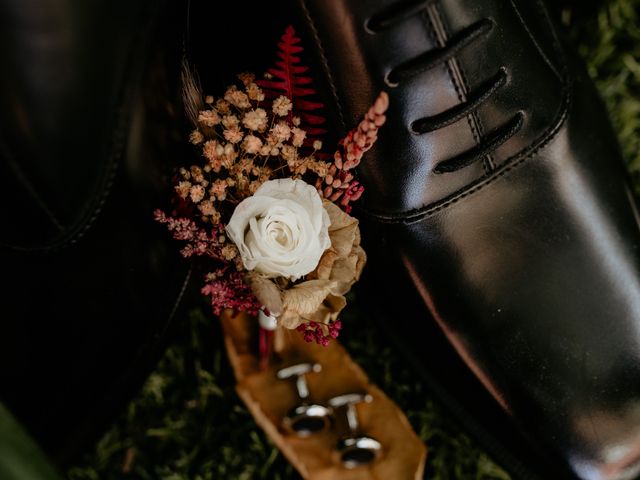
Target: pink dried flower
[(320, 333), (229, 291), (339, 184)]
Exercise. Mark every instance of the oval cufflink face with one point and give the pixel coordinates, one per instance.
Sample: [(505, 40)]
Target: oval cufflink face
[(306, 420), (358, 451)]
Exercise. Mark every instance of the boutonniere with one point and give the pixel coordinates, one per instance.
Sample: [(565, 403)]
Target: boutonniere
[(266, 207)]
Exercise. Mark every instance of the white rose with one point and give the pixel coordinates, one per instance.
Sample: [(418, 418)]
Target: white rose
[(282, 230)]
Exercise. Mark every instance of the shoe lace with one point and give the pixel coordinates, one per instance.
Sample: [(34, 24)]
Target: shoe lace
[(401, 11)]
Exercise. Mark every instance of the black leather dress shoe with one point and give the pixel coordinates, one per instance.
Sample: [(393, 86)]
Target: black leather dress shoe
[(89, 285), (497, 193)]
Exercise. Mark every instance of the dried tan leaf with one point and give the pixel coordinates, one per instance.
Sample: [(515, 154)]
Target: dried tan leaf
[(342, 230), (344, 273), (330, 309), (291, 320), (339, 219), (266, 291), (306, 297), (323, 270)]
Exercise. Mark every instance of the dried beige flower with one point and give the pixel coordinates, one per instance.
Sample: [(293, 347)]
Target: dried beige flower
[(243, 166), (265, 151), (218, 189), (196, 137), (213, 151), (320, 168), (288, 153), (255, 120), (223, 107), (255, 92), (296, 121), (237, 98), (298, 136), (229, 252), (233, 135), (317, 145), (252, 144), (254, 186), (206, 208), (183, 189), (208, 118), (196, 174), (246, 78), (280, 132), (208, 100), (230, 121), (282, 106), (230, 152), (196, 193)]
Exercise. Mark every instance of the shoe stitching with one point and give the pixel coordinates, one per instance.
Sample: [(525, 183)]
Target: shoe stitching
[(535, 42), (325, 63), (554, 36), (417, 215), (30, 189), (118, 141), (461, 85), (447, 48)]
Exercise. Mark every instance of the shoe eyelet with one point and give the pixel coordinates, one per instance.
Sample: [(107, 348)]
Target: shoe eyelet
[(369, 28), (505, 73), (388, 80)]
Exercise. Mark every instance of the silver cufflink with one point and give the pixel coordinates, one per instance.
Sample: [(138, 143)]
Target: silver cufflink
[(355, 449), (307, 418)]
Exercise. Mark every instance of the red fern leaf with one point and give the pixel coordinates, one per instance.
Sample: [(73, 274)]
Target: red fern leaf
[(288, 78)]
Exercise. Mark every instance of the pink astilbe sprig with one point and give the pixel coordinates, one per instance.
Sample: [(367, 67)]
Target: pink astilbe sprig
[(199, 241), (228, 290), (340, 186)]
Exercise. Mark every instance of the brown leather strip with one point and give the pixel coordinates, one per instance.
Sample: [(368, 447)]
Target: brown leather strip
[(269, 399)]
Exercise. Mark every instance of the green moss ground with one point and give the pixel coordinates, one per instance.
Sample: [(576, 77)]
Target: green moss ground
[(188, 424)]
